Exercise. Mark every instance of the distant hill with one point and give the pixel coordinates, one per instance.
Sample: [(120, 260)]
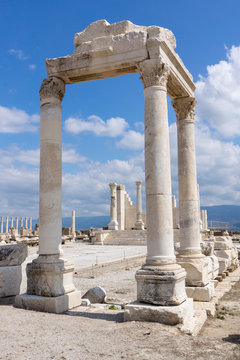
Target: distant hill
[(84, 223), (225, 213)]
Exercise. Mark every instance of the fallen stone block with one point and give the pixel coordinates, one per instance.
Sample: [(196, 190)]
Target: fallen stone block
[(13, 255), (95, 295)]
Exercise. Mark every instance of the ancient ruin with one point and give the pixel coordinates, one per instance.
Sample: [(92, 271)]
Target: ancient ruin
[(105, 50)]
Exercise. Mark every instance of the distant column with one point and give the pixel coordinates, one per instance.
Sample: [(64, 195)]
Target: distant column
[(113, 225), (11, 226), (6, 224), (139, 225), (30, 223), (1, 224), (73, 223), (121, 207), (16, 225), (26, 223), (21, 222)]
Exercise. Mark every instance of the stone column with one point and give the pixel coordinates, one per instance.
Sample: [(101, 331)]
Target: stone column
[(30, 223), (139, 225), (73, 223), (11, 226), (121, 207), (16, 225), (21, 222), (1, 224), (113, 225), (6, 224), (190, 256), (50, 276), (161, 280), (26, 222)]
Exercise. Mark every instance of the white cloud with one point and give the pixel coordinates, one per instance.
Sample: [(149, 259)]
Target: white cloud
[(72, 157), (218, 166), (16, 121), (113, 127), (32, 66), (218, 95), (19, 53), (131, 140)]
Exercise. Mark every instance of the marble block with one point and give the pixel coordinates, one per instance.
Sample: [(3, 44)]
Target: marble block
[(10, 280)]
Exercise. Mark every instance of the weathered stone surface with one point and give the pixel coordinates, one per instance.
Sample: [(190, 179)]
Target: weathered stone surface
[(13, 255), (95, 295), (196, 269), (170, 315), (57, 304), (105, 50), (10, 280), (161, 287), (49, 276), (198, 293)]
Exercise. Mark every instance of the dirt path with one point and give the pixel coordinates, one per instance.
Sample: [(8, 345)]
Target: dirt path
[(100, 333)]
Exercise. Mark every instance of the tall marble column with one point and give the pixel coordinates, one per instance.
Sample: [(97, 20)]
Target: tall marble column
[(30, 223), (26, 222), (161, 280), (190, 256), (21, 222), (6, 224), (50, 276), (73, 223), (121, 207), (113, 225), (16, 223), (139, 225), (11, 226), (1, 225)]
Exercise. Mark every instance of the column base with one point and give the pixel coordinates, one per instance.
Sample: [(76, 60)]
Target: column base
[(196, 268), (169, 315), (58, 304), (49, 276), (204, 293), (113, 225), (139, 225), (161, 285)]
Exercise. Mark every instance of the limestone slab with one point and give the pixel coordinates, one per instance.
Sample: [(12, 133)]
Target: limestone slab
[(201, 293), (170, 315), (13, 255), (10, 280), (56, 305)]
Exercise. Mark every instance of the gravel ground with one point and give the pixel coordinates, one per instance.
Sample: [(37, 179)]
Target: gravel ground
[(100, 333)]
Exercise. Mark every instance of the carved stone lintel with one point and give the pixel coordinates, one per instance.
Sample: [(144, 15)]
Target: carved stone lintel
[(154, 72), (52, 87), (184, 108)]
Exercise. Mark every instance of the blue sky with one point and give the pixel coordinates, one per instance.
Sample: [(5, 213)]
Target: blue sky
[(112, 111)]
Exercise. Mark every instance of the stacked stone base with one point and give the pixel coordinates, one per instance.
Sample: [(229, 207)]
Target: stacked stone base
[(204, 293), (57, 304), (169, 315), (50, 286)]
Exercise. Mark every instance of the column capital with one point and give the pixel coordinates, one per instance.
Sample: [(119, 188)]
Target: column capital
[(184, 107), (138, 183), (52, 87), (121, 187), (113, 185), (154, 72)]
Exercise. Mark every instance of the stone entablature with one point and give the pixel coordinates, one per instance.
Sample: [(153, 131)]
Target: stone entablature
[(105, 50)]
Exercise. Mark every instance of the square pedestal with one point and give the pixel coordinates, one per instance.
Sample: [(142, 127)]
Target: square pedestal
[(201, 293), (169, 315), (196, 269), (161, 285), (58, 304), (49, 276)]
